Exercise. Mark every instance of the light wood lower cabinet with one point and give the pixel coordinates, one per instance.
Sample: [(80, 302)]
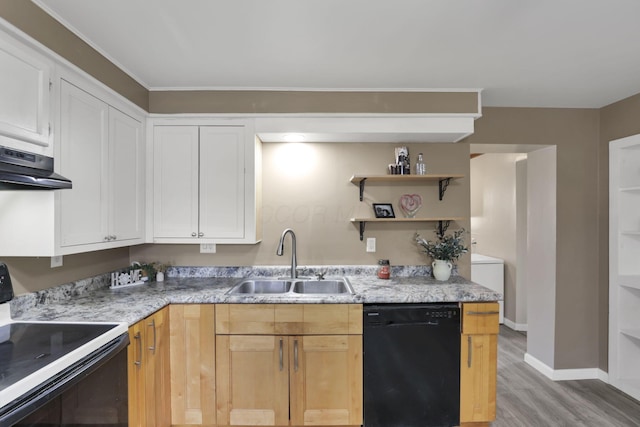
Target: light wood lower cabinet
[(296, 380), (148, 371), (193, 372), (478, 363)]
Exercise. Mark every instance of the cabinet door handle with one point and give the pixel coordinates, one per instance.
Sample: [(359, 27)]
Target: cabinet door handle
[(482, 313), (193, 234), (281, 361), (153, 325), (139, 338), (201, 234), (469, 350), (295, 355)]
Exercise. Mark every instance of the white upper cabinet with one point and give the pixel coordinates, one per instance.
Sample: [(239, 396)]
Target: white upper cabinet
[(101, 151), (222, 182), (83, 159), (204, 183), (25, 96), (126, 177), (175, 181)]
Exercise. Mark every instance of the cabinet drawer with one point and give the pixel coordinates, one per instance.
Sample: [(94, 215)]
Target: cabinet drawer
[(275, 319), (480, 318)]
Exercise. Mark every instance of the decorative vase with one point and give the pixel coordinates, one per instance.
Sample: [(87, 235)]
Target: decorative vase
[(441, 269), (160, 276)]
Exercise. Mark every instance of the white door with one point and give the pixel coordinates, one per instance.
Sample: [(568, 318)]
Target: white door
[(175, 182), (126, 176), (83, 141), (222, 178), (24, 104)]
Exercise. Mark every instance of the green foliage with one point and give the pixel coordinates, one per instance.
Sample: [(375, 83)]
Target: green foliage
[(444, 247)]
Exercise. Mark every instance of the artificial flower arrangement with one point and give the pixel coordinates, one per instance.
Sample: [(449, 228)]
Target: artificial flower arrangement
[(445, 247)]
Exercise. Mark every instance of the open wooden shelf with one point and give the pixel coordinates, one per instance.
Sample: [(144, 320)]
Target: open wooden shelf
[(443, 222), (443, 180)]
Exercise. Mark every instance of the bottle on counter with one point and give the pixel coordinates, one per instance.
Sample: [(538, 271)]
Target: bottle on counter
[(384, 269), (421, 168)]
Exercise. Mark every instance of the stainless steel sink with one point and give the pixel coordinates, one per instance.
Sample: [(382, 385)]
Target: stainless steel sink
[(251, 287), (324, 287), (291, 287)]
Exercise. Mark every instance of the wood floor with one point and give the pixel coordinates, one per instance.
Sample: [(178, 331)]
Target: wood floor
[(528, 398)]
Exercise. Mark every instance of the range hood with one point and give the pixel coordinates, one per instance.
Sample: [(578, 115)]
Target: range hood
[(21, 170)]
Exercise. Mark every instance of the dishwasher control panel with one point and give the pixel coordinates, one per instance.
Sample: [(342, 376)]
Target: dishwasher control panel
[(407, 314)]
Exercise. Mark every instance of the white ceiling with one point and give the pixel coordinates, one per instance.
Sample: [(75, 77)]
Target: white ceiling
[(536, 53)]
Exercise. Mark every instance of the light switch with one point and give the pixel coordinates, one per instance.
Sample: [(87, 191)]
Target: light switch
[(371, 244)]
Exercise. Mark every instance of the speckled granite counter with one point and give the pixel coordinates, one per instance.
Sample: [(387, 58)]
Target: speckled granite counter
[(92, 300)]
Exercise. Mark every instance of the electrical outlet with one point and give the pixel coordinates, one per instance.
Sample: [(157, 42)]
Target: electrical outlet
[(56, 261), (207, 248), (371, 244)]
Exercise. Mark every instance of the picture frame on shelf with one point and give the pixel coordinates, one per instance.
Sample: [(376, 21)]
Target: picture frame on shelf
[(383, 210)]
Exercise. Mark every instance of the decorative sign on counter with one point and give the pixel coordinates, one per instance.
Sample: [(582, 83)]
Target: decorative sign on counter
[(131, 278)]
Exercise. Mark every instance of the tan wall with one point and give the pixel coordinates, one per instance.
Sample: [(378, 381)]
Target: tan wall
[(306, 187), (617, 120), (170, 102), (575, 133), (35, 274)]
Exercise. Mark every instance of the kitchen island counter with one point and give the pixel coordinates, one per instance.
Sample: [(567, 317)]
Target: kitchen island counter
[(131, 304)]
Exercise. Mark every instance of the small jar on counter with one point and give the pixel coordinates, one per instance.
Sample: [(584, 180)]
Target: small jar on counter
[(384, 269)]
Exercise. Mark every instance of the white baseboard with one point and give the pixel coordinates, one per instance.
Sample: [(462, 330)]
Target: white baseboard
[(515, 326), (566, 374)]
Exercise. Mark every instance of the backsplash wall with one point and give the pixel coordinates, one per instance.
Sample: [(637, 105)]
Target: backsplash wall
[(306, 187)]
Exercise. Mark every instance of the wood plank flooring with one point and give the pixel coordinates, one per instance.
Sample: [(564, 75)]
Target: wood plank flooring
[(526, 398)]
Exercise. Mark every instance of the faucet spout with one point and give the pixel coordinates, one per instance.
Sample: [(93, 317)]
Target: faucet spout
[(280, 250)]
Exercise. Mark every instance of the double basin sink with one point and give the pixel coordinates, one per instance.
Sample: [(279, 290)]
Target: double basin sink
[(298, 286)]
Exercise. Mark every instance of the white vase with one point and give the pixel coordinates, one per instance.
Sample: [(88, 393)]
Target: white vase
[(160, 276), (441, 269)]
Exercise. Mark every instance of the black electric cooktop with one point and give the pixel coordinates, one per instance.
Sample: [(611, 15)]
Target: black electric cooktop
[(27, 347)]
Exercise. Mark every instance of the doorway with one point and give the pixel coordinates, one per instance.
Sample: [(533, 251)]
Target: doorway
[(513, 217)]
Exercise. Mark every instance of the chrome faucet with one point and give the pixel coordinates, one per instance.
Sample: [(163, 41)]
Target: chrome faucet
[(279, 252)]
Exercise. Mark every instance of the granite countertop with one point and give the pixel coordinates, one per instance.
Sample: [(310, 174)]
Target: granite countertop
[(131, 304)]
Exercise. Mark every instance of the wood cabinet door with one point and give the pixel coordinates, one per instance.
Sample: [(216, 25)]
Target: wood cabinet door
[(252, 384), (193, 372), (478, 376), (126, 176), (222, 176), (326, 380), (156, 369), (135, 374), (84, 160), (175, 182)]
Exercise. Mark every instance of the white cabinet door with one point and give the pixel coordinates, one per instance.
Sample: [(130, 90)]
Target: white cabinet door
[(126, 176), (24, 104), (83, 159), (102, 153), (222, 184), (175, 183)]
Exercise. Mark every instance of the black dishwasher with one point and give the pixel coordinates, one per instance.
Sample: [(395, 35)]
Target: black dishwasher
[(411, 365)]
